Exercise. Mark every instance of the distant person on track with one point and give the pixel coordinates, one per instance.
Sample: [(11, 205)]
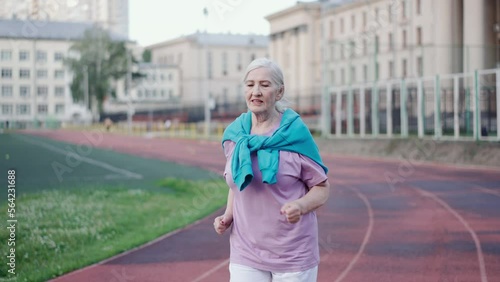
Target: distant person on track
[(277, 180)]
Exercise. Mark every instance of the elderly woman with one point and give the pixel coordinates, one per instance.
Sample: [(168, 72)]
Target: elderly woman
[(277, 180)]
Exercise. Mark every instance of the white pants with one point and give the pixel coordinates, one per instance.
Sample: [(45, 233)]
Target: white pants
[(241, 273)]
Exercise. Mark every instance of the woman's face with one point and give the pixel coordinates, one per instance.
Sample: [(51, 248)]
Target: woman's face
[(260, 93)]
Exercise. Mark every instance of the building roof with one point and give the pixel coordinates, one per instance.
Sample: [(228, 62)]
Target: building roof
[(50, 30), (220, 39)]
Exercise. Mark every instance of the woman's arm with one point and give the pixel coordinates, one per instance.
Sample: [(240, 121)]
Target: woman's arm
[(222, 223), (315, 198)]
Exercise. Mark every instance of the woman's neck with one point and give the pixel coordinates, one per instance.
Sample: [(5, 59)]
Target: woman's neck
[(263, 122)]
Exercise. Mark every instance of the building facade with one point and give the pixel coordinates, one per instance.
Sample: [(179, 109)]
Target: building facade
[(109, 14), (211, 64), (34, 82), (295, 44), (358, 41)]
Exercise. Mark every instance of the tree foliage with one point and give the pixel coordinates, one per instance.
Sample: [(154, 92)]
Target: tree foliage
[(103, 59)]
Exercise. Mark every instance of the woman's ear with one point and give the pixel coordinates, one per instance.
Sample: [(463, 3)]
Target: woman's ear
[(281, 91)]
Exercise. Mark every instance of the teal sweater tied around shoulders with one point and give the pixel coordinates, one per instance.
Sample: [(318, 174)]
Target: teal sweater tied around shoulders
[(292, 135)]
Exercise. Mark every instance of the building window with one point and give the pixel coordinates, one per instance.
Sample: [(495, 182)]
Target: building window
[(389, 10), (403, 9), (24, 73), (404, 39), (170, 77), (6, 55), (342, 26), (59, 108), (6, 109), (238, 62), (376, 44), (163, 93), (59, 91), (332, 29), (364, 19), (42, 91), (24, 55), (42, 109), (419, 6), (342, 51), (391, 69), (377, 69), (365, 47), (353, 22), (252, 57), (58, 56), (6, 91), (23, 109), (224, 63), (365, 73), (332, 77), (391, 42), (342, 77), (419, 36), (24, 91), (41, 73), (420, 66), (6, 73), (209, 65), (404, 67), (41, 56), (353, 75)]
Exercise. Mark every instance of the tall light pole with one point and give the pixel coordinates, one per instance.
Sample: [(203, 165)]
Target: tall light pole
[(207, 82)]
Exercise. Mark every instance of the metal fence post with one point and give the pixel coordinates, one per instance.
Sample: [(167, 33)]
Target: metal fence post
[(362, 113), (498, 102), (350, 124), (389, 109), (477, 110), (338, 114), (456, 124), (437, 108), (420, 108), (404, 112)]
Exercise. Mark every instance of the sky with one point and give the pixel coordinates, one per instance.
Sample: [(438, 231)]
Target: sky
[(153, 21)]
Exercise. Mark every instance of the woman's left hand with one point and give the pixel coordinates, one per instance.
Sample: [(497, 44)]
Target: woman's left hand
[(292, 212)]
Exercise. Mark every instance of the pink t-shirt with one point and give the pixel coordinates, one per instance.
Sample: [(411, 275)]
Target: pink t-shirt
[(261, 237)]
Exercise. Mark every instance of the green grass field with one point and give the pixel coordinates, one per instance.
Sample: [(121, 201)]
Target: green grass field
[(72, 213)]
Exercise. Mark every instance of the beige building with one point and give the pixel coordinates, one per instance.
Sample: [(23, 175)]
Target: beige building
[(210, 63), (109, 14), (367, 40), (34, 83), (295, 38), (158, 89)]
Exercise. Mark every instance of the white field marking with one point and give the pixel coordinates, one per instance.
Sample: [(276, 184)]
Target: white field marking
[(212, 270), (487, 191), (480, 258), (127, 173), (365, 239)]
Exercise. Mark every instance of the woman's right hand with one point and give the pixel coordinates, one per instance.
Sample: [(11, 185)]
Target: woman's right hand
[(222, 223)]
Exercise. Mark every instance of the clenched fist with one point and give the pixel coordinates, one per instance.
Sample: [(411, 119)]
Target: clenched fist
[(222, 223)]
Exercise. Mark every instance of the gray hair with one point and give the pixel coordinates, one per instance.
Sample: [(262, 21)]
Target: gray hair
[(276, 78)]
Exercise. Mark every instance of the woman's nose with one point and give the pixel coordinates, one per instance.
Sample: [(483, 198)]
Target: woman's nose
[(256, 90)]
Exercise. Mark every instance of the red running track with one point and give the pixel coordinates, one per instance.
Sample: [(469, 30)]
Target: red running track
[(437, 223)]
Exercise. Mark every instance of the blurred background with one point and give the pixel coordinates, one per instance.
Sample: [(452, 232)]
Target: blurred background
[(358, 68)]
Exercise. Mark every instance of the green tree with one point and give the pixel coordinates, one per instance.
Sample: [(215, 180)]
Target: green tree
[(146, 56), (102, 60)]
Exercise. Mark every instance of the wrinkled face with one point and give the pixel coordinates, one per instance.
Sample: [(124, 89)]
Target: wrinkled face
[(261, 93)]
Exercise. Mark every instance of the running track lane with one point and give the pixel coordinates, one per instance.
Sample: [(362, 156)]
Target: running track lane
[(439, 223)]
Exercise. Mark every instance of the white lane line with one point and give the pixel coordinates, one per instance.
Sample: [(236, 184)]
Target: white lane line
[(480, 258), (212, 270), (127, 173), (365, 239), (487, 191)]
